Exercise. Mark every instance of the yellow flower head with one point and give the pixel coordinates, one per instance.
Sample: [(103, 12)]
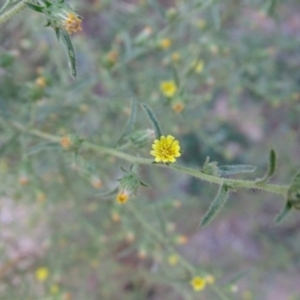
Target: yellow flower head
[(210, 279), (198, 283), (72, 23), (175, 56), (41, 274), (178, 107), (168, 88), (165, 44), (165, 149), (173, 260), (199, 66), (122, 197), (65, 142)]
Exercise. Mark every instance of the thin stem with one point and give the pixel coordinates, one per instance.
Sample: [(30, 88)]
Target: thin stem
[(277, 189), (13, 11)]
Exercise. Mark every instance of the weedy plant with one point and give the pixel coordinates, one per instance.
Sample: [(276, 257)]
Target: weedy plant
[(63, 137)]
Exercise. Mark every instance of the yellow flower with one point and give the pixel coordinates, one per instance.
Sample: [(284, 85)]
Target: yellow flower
[(178, 107), (40, 82), (210, 279), (41, 274), (168, 88), (54, 289), (72, 23), (65, 142), (201, 23), (173, 260), (122, 197), (165, 43), (175, 56), (199, 66), (198, 283), (165, 149)]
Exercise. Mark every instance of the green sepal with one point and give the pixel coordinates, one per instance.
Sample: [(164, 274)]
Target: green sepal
[(210, 168), (70, 52), (271, 168), (34, 7), (293, 194), (47, 3), (216, 205), (153, 120), (235, 169), (287, 208)]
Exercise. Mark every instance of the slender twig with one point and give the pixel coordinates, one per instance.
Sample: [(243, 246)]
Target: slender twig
[(277, 189)]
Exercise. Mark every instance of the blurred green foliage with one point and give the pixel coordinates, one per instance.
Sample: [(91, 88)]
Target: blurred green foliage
[(236, 69)]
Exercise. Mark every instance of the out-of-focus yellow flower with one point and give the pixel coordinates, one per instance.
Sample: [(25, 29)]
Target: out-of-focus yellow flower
[(198, 283), (40, 82), (201, 23), (96, 182), (41, 197), (178, 107), (199, 66), (175, 56), (54, 289), (165, 44), (65, 142), (209, 279), (166, 149), (168, 88), (115, 217), (182, 239), (173, 259), (41, 274)]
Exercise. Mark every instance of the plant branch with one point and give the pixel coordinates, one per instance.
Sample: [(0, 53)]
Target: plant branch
[(278, 189)]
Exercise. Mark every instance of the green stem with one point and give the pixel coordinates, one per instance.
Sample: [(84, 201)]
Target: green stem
[(13, 11), (277, 189)]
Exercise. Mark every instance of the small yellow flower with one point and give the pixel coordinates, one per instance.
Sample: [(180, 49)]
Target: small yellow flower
[(41, 197), (175, 56), (65, 142), (165, 44), (72, 23), (96, 182), (40, 82), (178, 107), (210, 279), (41, 274), (115, 217), (173, 260), (201, 23), (182, 239), (199, 66), (198, 283), (168, 88), (166, 149), (54, 289), (122, 197)]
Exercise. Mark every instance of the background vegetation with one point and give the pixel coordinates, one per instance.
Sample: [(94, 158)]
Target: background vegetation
[(236, 68)]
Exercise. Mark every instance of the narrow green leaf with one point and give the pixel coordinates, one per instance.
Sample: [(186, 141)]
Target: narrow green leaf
[(70, 51), (238, 276), (271, 168), (235, 169), (216, 205), (34, 7), (130, 123), (143, 183), (107, 193), (153, 120), (287, 208), (57, 32), (293, 194)]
